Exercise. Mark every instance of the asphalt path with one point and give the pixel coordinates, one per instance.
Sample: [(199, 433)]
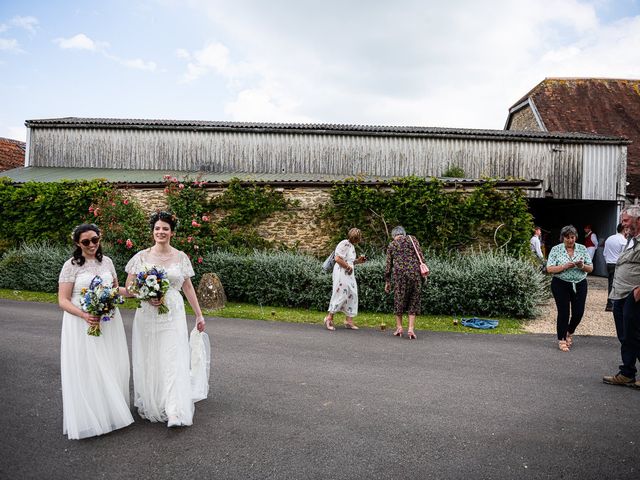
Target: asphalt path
[(294, 401)]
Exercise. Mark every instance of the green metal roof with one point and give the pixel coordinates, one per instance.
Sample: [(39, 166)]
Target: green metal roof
[(156, 177)]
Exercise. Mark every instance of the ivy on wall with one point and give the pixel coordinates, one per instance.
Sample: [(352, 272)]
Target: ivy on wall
[(36, 211), (442, 220)]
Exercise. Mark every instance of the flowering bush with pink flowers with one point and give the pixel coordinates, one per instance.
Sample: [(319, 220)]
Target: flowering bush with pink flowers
[(125, 228)]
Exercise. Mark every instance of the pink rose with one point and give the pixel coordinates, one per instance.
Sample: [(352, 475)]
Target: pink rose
[(189, 239), (126, 202), (205, 218), (194, 223), (129, 244), (199, 259), (120, 241), (181, 186)]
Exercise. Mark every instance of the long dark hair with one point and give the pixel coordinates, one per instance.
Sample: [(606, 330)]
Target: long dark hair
[(78, 258)]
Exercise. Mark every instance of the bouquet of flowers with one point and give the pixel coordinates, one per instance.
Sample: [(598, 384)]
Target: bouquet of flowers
[(151, 283), (99, 300)]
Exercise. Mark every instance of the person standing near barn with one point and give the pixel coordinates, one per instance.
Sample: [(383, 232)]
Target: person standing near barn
[(613, 247), (590, 241)]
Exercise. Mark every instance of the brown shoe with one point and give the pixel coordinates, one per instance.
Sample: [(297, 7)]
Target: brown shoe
[(619, 379)]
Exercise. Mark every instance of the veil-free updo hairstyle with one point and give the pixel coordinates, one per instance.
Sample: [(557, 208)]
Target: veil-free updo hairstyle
[(78, 258), (166, 217)]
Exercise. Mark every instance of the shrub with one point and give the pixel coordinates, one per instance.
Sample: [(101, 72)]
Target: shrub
[(484, 283), (36, 212)]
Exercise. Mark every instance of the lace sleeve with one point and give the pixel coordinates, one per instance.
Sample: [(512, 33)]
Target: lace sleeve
[(186, 266), (68, 273), (133, 266), (108, 263)]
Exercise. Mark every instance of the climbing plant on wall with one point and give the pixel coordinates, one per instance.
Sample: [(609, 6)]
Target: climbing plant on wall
[(442, 220)]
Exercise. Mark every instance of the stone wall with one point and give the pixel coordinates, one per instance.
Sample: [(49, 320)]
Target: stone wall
[(299, 226), (524, 119)]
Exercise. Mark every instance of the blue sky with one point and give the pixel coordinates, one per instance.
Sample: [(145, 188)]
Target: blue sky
[(460, 63)]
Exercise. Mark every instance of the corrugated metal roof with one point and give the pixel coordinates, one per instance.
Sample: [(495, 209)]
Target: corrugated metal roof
[(318, 128), (156, 177)]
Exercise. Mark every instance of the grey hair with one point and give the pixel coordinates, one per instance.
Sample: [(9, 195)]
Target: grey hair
[(398, 231), (568, 230), (632, 211)]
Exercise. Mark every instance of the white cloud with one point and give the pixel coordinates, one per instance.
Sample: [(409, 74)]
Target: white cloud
[(422, 62), (27, 23), (3, 27), (10, 45), (83, 42), (77, 42), (139, 64), (213, 57), (182, 53)]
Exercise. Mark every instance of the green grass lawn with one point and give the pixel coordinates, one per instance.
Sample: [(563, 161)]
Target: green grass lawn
[(300, 315)]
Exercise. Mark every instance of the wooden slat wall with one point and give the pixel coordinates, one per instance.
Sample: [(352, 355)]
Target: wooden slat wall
[(565, 168)]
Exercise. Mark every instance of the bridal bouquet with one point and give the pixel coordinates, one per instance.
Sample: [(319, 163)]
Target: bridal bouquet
[(99, 300), (151, 283)]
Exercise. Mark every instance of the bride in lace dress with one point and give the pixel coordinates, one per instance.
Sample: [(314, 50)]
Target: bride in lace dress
[(161, 356), (94, 370)]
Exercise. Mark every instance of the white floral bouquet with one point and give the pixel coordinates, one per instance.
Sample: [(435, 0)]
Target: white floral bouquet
[(99, 300), (151, 283)]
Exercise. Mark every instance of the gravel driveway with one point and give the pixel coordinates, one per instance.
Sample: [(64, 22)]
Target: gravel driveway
[(595, 321)]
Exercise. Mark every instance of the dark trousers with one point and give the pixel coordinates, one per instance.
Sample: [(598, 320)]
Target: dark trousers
[(626, 313), (568, 301), (611, 269)]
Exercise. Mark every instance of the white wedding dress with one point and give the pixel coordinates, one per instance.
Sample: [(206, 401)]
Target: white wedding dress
[(94, 370), (161, 355)]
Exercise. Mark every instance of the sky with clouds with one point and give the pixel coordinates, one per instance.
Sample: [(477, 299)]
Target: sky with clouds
[(455, 63)]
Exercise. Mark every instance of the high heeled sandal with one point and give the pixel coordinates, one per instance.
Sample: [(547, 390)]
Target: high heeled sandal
[(411, 335), (328, 324), (398, 332), (562, 345)]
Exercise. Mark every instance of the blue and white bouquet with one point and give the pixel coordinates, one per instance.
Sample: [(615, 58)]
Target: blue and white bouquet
[(99, 300), (149, 284)]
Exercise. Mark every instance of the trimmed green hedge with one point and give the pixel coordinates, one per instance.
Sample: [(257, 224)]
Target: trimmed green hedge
[(484, 283)]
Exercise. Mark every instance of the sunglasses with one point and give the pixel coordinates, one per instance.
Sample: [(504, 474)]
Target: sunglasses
[(86, 241)]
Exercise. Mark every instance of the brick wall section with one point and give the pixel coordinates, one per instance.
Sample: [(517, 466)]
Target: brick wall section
[(11, 154), (524, 120), (297, 227)]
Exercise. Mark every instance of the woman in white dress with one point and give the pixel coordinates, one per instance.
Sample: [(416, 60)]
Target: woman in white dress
[(345, 289), (94, 370), (161, 357)]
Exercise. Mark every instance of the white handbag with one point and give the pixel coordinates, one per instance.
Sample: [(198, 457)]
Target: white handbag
[(200, 364)]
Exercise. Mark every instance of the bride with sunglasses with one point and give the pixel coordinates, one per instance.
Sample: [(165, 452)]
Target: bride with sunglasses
[(94, 369)]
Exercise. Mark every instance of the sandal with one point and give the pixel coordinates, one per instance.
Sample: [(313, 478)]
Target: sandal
[(569, 340), (328, 324), (562, 345), (398, 332), (411, 335), (350, 326)]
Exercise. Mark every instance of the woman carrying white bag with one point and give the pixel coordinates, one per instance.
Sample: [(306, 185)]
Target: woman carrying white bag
[(200, 364)]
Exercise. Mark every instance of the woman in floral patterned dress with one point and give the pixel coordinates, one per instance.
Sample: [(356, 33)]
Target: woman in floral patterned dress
[(569, 262), (403, 268), (345, 289)]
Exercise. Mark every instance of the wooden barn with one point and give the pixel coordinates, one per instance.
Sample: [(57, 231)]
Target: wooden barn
[(575, 175)]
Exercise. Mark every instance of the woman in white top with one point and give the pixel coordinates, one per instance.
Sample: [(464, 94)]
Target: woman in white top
[(161, 357), (94, 369), (345, 289)]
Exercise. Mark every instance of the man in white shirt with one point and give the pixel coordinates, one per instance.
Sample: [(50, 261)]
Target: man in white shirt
[(535, 244), (613, 246)]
